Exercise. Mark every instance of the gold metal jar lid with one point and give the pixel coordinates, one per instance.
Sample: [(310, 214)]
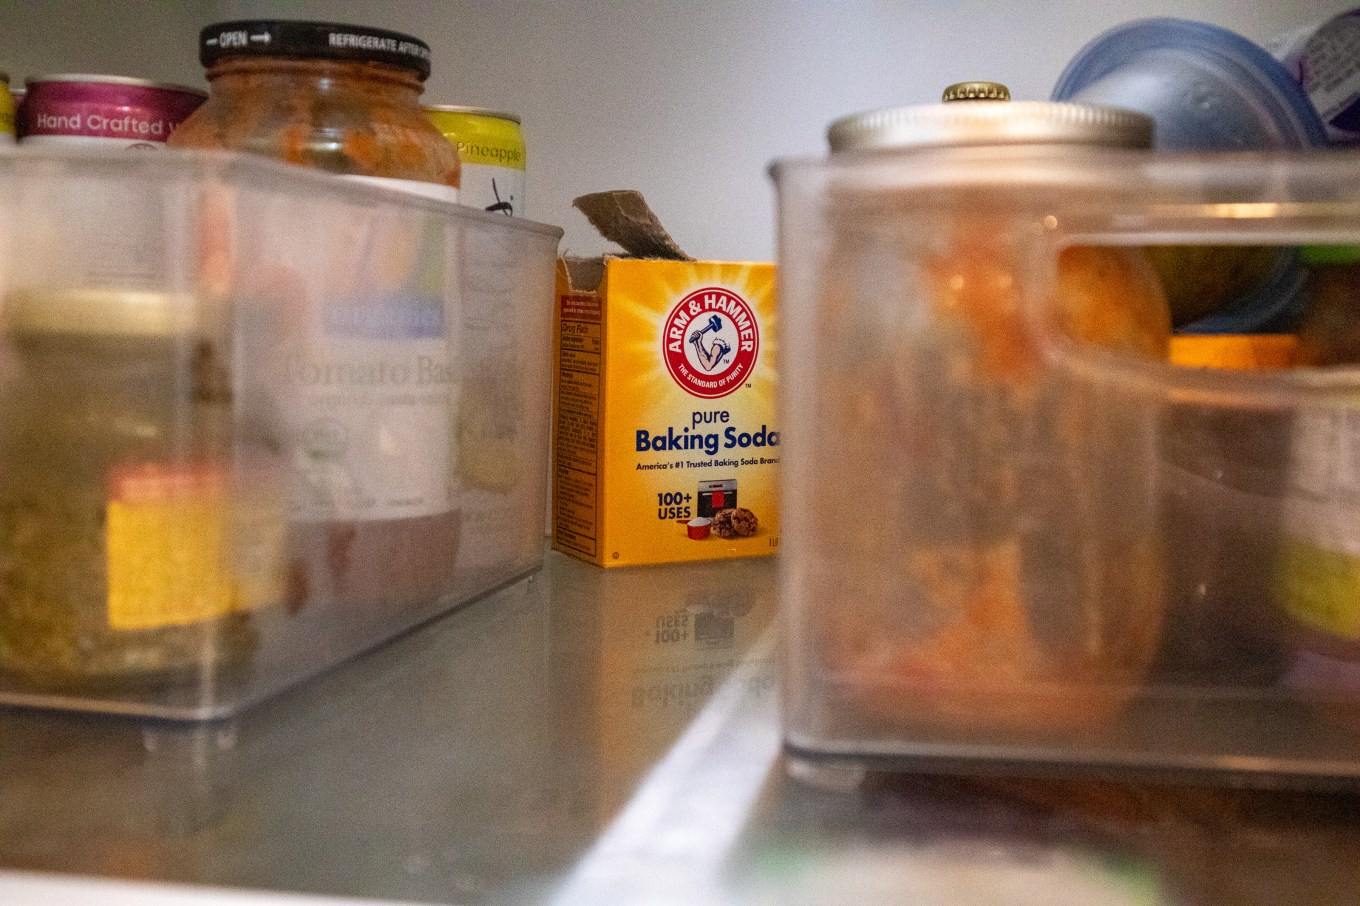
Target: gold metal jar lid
[(976, 91), (977, 114), (99, 313)]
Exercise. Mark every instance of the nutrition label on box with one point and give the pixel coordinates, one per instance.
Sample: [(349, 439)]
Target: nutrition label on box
[(580, 361)]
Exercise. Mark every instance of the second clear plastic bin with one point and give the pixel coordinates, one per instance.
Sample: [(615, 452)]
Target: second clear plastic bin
[(1010, 550), (254, 419)]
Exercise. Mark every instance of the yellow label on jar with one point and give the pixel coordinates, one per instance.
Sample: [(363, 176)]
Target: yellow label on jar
[(181, 551), (482, 137), (6, 114), (1321, 588)]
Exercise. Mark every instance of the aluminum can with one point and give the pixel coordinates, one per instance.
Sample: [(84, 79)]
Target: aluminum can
[(100, 111), (491, 145), (1323, 59)]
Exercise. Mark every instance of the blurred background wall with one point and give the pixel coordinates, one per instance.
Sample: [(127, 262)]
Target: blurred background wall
[(685, 100)]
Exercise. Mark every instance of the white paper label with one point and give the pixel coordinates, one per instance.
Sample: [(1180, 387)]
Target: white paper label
[(496, 189), (370, 387)]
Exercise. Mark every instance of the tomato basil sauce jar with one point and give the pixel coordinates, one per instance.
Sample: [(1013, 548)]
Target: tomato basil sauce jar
[(365, 394), (341, 98)]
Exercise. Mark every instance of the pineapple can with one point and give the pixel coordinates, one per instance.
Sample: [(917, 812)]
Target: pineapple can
[(491, 145)]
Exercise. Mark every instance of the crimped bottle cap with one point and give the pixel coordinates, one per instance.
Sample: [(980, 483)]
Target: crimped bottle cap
[(976, 91)]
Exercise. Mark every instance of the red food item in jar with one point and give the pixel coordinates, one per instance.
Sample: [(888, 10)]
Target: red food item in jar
[(340, 98)]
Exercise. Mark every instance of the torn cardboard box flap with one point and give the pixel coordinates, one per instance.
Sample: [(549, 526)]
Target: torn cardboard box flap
[(623, 217)]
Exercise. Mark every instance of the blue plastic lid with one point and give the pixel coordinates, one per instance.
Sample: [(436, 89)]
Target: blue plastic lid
[(1206, 87)]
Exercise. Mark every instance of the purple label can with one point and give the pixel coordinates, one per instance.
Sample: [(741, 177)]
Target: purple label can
[(99, 111)]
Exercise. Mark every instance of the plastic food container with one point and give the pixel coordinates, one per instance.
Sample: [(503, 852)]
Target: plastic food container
[(193, 379), (1066, 558), (1207, 89)]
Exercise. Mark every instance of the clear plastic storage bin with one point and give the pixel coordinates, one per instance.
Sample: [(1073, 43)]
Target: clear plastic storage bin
[(1009, 550), (254, 420)]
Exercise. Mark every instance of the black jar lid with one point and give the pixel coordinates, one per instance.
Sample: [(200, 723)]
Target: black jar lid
[(314, 41)]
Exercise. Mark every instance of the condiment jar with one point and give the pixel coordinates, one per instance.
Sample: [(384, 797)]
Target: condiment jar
[(132, 543), (345, 99), (1025, 578), (340, 98), (1130, 312)]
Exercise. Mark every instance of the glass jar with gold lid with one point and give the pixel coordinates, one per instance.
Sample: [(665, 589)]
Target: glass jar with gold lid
[(129, 547)]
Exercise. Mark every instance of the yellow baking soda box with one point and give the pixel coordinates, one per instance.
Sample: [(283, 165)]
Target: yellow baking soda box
[(666, 441)]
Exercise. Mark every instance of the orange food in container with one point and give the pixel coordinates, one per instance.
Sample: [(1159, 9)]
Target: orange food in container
[(994, 568), (340, 98)]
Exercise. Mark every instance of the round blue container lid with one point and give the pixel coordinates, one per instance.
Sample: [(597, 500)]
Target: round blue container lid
[(1206, 87)]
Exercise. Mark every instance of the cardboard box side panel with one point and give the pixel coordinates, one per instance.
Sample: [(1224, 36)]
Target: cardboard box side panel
[(578, 396)]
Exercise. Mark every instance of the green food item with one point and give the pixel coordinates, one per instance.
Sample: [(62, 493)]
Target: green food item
[(117, 524), (54, 624), (1201, 280)]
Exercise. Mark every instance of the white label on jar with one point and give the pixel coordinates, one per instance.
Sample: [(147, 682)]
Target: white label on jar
[(369, 390), (371, 429), (415, 187), (496, 189), (91, 142)]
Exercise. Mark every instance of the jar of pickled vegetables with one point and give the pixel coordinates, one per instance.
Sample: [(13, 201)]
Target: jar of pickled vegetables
[(340, 98), (137, 533), (1024, 587)]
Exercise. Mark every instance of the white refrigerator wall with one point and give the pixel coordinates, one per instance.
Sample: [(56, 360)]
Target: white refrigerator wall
[(685, 100)]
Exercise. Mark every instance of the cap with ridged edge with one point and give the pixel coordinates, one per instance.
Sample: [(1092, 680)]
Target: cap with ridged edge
[(976, 91), (1010, 123)]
